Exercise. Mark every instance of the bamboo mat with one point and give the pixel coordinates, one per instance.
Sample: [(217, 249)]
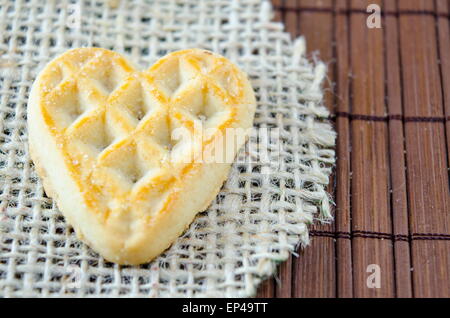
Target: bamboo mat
[(389, 93)]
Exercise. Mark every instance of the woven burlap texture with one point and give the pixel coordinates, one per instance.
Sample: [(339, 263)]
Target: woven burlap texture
[(258, 218)]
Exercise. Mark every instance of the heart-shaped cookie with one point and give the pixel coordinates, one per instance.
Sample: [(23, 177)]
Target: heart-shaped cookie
[(118, 149)]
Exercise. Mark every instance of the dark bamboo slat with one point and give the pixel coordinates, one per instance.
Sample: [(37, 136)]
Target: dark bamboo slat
[(344, 266), (370, 163), (399, 204), (284, 280), (427, 170), (443, 8)]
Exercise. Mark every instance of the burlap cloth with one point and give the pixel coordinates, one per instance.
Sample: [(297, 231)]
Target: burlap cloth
[(257, 219)]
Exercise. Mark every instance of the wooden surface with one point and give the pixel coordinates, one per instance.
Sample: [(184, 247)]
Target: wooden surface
[(389, 95)]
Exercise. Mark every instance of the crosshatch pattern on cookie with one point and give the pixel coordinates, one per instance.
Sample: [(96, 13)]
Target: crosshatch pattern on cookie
[(114, 123)]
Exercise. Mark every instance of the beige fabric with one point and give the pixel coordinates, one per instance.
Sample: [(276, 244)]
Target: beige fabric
[(261, 213)]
